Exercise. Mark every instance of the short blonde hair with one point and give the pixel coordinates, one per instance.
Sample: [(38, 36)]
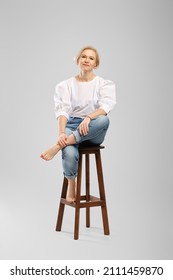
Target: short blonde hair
[(88, 48)]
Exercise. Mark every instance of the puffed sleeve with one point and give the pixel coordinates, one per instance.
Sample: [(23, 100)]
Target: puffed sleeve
[(107, 95), (62, 100)]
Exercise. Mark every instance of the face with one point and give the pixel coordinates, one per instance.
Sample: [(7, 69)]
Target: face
[(87, 60)]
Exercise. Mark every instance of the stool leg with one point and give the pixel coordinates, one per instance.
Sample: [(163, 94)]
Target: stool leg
[(87, 183), (102, 193), (61, 206), (78, 194)]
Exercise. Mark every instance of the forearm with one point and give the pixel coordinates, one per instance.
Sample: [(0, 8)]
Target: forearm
[(97, 113), (84, 125), (62, 121)]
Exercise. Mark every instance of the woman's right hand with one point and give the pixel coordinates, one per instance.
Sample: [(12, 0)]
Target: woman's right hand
[(62, 141)]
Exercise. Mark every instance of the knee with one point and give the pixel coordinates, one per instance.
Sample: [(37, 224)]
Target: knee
[(69, 154), (103, 121)]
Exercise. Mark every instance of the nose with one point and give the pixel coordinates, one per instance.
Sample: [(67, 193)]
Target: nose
[(86, 59)]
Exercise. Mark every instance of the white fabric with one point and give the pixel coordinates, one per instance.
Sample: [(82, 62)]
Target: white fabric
[(79, 99)]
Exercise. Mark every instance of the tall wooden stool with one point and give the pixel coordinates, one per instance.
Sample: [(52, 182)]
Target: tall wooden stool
[(87, 200)]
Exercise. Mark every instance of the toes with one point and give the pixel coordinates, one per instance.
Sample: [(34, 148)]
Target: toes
[(44, 156)]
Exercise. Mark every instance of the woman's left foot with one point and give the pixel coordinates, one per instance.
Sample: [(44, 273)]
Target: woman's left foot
[(71, 197), (50, 153)]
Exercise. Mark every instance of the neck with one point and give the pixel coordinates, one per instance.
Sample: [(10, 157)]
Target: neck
[(86, 76)]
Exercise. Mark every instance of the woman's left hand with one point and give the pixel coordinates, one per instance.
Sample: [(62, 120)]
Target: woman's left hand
[(84, 126)]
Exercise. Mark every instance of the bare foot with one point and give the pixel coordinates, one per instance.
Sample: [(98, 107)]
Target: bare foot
[(70, 197), (51, 152)]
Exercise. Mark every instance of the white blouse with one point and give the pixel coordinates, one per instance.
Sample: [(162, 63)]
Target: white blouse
[(79, 99)]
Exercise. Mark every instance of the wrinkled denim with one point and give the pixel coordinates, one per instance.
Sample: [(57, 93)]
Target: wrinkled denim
[(70, 154)]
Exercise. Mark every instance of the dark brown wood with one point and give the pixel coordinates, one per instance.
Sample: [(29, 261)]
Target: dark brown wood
[(61, 205), (85, 201), (89, 149), (102, 192), (87, 185), (77, 203)]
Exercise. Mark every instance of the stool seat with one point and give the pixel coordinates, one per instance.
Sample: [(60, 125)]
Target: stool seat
[(87, 200), (84, 148)]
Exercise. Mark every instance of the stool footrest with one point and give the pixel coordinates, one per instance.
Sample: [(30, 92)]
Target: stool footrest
[(93, 201), (90, 198)]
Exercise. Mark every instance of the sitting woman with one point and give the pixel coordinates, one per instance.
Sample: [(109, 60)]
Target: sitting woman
[(81, 107)]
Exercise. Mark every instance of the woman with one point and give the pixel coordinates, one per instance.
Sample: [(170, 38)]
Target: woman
[(81, 107)]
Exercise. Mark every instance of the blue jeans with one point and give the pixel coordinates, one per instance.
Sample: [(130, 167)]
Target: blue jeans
[(70, 154)]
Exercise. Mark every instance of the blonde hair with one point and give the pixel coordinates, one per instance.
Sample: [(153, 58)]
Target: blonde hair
[(88, 48)]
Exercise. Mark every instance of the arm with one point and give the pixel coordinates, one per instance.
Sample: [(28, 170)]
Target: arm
[(84, 126), (107, 100), (97, 113), (62, 121), (62, 139)]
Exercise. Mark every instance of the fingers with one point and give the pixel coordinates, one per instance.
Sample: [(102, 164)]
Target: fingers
[(62, 141), (83, 129)]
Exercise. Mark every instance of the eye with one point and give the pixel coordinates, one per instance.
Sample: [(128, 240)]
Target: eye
[(92, 58), (83, 56)]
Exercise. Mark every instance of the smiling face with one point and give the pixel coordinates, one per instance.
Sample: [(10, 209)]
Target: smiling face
[(87, 60)]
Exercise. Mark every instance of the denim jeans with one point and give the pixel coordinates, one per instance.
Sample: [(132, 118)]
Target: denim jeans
[(70, 154)]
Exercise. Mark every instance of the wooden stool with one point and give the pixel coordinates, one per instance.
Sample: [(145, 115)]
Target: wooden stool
[(87, 200)]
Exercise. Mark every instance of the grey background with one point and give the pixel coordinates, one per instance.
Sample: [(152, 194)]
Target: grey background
[(39, 40)]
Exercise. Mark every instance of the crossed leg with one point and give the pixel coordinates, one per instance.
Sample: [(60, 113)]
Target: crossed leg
[(97, 132), (52, 151)]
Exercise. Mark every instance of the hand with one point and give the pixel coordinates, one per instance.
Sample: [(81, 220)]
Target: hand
[(62, 141), (84, 126)]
